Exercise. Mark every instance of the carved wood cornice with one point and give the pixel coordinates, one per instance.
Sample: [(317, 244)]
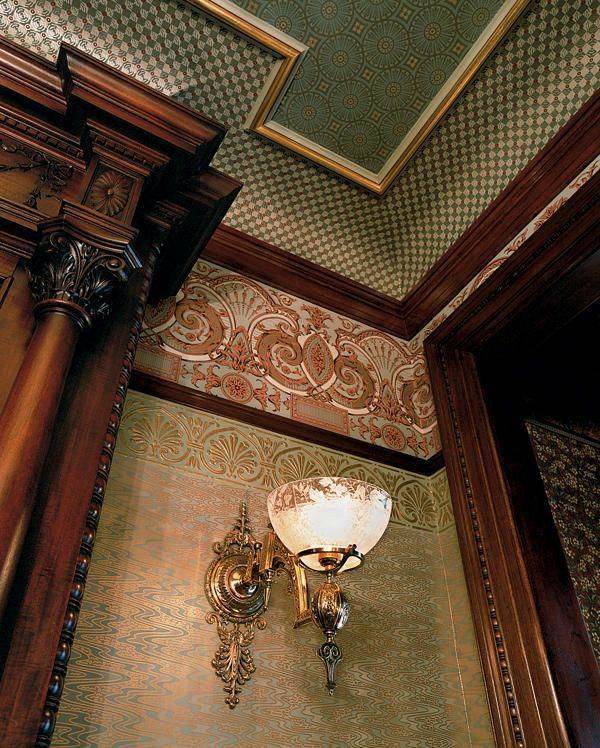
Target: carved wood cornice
[(130, 150), (88, 80)]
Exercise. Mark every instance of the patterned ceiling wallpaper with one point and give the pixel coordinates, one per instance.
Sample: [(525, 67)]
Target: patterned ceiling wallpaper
[(371, 68), (140, 671), (570, 469), (230, 336), (542, 73)]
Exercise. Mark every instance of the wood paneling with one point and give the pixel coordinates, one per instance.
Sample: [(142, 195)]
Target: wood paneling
[(134, 180), (178, 393), (571, 149), (540, 672)]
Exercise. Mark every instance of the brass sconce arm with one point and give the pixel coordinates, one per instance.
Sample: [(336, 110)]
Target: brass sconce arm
[(238, 587)]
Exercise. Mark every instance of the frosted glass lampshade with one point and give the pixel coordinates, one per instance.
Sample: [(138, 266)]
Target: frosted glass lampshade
[(329, 513)]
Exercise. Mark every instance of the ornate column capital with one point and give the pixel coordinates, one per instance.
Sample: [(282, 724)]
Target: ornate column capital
[(78, 262)]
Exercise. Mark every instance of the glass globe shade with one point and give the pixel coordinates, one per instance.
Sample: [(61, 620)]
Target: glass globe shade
[(329, 513)]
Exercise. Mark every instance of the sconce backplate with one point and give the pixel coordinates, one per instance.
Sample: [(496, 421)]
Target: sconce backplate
[(237, 606), (238, 585), (227, 592)]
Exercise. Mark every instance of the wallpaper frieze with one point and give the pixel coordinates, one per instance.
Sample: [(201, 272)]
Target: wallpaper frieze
[(241, 340), (182, 437), (230, 336)]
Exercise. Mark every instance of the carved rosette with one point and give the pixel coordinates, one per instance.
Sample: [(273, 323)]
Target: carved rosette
[(78, 275)]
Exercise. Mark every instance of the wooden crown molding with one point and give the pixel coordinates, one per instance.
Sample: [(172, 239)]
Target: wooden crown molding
[(288, 272), (178, 393), (95, 120), (556, 165), (573, 147)]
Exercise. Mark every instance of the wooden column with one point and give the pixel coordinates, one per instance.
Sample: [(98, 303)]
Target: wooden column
[(25, 427), (72, 277), (88, 158)]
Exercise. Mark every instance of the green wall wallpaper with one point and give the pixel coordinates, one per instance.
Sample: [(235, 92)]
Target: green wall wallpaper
[(547, 67), (371, 68), (140, 672)]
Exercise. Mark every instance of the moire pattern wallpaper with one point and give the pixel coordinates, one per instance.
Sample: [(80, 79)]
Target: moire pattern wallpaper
[(140, 672), (543, 72), (570, 469), (230, 336)]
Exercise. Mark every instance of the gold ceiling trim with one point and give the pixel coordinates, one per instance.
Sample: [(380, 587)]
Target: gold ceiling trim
[(229, 14)]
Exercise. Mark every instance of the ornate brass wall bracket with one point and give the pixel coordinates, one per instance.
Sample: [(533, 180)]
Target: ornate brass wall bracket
[(238, 587)]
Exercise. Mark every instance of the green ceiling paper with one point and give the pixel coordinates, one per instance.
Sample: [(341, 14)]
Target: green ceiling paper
[(546, 68), (372, 66)]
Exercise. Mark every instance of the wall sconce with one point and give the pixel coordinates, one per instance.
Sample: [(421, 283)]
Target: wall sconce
[(323, 524)]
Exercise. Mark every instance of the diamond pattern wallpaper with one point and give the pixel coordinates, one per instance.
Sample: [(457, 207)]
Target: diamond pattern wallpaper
[(371, 67), (546, 68)]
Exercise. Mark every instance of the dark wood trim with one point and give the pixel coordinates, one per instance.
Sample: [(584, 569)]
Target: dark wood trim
[(569, 151), (540, 672), (178, 393), (85, 122), (289, 272), (574, 146)]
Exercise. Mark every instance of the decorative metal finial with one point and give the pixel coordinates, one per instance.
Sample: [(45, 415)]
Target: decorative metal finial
[(330, 611)]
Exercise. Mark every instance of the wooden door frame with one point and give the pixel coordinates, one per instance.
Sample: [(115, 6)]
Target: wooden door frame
[(540, 673)]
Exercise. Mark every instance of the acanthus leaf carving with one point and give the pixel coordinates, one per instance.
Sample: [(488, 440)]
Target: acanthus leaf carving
[(69, 270)]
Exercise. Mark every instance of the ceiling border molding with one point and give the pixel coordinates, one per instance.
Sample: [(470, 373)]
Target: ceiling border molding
[(149, 384), (291, 53), (573, 147), (267, 263)]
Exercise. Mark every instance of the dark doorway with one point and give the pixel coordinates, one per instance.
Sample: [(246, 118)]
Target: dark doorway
[(517, 362)]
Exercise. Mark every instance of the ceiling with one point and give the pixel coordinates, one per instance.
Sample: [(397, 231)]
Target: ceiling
[(375, 72), (544, 70)]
